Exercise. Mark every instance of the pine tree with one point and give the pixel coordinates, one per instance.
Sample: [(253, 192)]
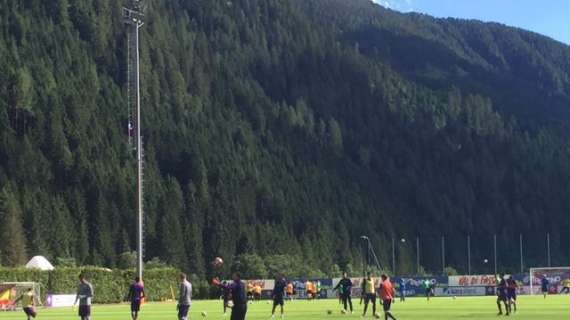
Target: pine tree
[(172, 248), (193, 231), (12, 236)]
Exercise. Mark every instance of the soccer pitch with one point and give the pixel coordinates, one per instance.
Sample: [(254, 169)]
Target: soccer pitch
[(480, 308)]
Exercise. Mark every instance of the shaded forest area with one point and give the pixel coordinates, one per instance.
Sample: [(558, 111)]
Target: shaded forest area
[(282, 131)]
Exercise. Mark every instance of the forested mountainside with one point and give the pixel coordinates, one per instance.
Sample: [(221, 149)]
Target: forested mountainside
[(281, 128)]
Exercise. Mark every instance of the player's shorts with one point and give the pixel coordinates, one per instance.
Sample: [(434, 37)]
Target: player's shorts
[(544, 289), (386, 304), (512, 294), (30, 312), (135, 306), (278, 301), (428, 292), (84, 311), (183, 311), (369, 297), (502, 296)]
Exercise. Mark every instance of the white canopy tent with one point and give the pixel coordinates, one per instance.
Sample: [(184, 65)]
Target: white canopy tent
[(39, 262)]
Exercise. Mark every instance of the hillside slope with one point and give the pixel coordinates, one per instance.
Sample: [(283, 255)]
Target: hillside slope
[(279, 127)]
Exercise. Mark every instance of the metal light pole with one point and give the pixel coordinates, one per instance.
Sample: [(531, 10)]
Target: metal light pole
[(133, 19), (521, 251), (468, 254), (365, 254), (443, 254), (418, 255), (549, 257), (394, 256), (495, 252)]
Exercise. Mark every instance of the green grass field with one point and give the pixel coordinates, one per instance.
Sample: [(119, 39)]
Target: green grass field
[(553, 308)]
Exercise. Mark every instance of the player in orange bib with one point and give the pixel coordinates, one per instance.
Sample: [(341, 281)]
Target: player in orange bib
[(309, 289), (257, 292), (250, 291), (289, 290), (387, 296)]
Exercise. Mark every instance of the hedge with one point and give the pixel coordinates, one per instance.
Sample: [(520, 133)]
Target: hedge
[(110, 286)]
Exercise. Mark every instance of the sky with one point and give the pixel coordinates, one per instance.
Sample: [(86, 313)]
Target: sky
[(547, 17)]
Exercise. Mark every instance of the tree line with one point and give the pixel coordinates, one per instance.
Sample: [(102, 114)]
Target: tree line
[(276, 129)]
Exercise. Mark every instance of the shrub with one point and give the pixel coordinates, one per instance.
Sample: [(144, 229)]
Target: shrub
[(110, 286)]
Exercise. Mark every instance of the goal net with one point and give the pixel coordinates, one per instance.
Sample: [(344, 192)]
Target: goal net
[(555, 277), (10, 291)]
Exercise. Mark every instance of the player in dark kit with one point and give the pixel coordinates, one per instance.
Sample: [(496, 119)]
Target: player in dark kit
[(226, 295), (239, 296), (278, 295), (502, 295), (344, 288), (512, 293), (544, 284), (135, 296)]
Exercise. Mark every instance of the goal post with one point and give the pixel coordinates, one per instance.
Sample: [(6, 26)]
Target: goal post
[(10, 291), (554, 275)]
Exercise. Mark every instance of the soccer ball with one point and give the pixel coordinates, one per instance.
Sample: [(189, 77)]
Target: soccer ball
[(218, 262), (343, 311), (204, 314), (454, 297)]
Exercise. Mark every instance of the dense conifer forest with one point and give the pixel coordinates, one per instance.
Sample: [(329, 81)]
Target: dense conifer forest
[(277, 132)]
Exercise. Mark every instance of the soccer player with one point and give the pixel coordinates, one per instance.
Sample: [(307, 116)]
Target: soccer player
[(544, 284), (344, 288), (250, 288), (309, 289), (387, 296), (318, 289), (184, 297), (28, 302), (84, 296), (225, 296), (239, 296), (402, 289), (512, 293), (257, 292), (290, 290), (502, 295), (426, 284), (565, 286), (369, 293), (278, 292), (135, 296)]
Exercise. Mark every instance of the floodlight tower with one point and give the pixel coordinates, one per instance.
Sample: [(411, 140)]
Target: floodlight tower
[(133, 19)]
